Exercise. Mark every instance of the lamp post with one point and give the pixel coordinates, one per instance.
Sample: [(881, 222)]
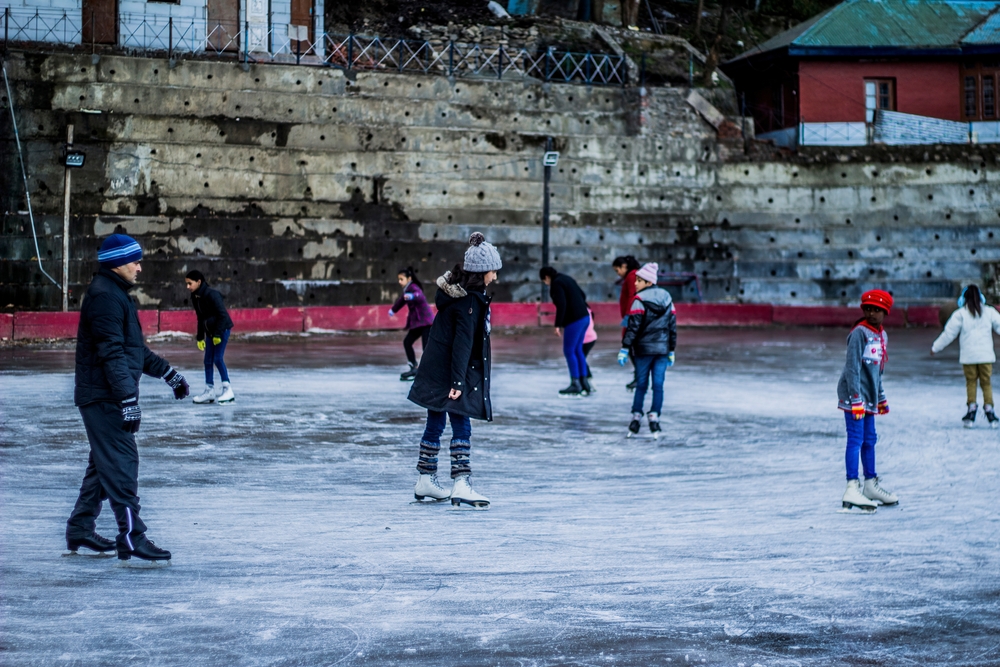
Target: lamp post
[(550, 160)]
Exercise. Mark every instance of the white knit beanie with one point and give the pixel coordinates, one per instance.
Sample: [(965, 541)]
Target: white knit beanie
[(648, 272), (481, 256)]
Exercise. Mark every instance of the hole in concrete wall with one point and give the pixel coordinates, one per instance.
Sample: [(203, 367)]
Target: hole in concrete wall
[(793, 294), (437, 138), (928, 172), (947, 216), (517, 194), (878, 238), (206, 184), (407, 192), (260, 183), (570, 98), (822, 200), (419, 85), (718, 197), (843, 175), (826, 241), (895, 217), (826, 273), (256, 80), (990, 235), (773, 272), (418, 164), (848, 221), (873, 198), (136, 101), (481, 196), (746, 172), (850, 253), (929, 197), (585, 146), (334, 109), (455, 166), (444, 115), (187, 103), (82, 98), (899, 254), (608, 171), (259, 299), (444, 192), (771, 239), (973, 251), (972, 192), (798, 220), (406, 113)]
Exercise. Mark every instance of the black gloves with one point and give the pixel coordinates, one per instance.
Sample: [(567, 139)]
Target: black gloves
[(131, 414), (177, 382)]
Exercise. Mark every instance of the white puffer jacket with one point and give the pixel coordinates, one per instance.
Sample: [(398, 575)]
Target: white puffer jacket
[(975, 335)]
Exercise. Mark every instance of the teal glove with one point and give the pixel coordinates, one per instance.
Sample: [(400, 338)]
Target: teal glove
[(670, 360), (622, 356)]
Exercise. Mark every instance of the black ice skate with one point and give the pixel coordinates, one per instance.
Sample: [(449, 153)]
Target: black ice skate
[(146, 551), (409, 375), (631, 385), (654, 429), (574, 390), (588, 389), (991, 416), (969, 420), (101, 546), (634, 425)]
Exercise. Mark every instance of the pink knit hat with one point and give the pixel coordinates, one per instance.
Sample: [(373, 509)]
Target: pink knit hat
[(648, 272)]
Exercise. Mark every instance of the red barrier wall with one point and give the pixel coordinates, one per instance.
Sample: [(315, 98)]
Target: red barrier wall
[(46, 325), (351, 318), (514, 314), (923, 316), (829, 316), (150, 322), (723, 315), (180, 320), (250, 320), (6, 326)]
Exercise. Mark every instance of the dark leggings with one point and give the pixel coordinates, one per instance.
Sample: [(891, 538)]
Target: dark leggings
[(411, 337)]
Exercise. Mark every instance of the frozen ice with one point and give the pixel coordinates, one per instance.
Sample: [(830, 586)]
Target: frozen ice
[(294, 540)]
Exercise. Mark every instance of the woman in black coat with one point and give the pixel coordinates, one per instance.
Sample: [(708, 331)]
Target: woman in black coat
[(453, 380), (214, 326)]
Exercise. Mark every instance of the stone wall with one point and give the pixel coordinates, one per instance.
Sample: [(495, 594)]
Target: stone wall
[(300, 185)]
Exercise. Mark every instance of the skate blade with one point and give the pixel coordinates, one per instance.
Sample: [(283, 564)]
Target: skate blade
[(140, 564), (848, 508), (465, 505), (427, 500), (571, 396), (89, 554), (232, 400), (968, 425)]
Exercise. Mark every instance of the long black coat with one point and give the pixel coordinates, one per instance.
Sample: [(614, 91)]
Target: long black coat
[(213, 318), (111, 352), (457, 355)]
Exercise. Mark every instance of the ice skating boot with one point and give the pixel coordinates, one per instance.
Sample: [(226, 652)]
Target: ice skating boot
[(463, 495), (874, 491), (574, 390), (94, 542), (409, 375), (654, 425), (207, 396), (588, 389), (227, 395), (428, 488), (853, 498), (144, 550), (991, 416), (631, 385), (969, 420), (635, 424)]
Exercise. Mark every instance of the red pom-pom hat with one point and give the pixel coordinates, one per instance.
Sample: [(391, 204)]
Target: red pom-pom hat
[(878, 298)]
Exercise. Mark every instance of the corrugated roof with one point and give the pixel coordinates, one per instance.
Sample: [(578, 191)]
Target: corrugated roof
[(987, 32)]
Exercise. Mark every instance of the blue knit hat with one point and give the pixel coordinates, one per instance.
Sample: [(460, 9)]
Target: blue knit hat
[(119, 249)]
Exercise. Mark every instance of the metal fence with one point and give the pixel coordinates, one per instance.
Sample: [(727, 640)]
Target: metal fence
[(267, 41)]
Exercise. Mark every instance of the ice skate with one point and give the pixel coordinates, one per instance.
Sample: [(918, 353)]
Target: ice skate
[(855, 499), (97, 546), (631, 385), (146, 553), (874, 491), (634, 425), (574, 390), (464, 497), (227, 395), (429, 489), (969, 420), (408, 376), (207, 396), (991, 416), (654, 426), (588, 389)]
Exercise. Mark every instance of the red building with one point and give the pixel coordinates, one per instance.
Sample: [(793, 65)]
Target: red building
[(935, 58)]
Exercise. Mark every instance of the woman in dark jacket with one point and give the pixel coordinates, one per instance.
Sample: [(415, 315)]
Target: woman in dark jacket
[(453, 381), (214, 326), (572, 320), (418, 316)]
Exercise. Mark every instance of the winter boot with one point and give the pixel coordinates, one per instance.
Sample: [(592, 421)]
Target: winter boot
[(227, 395), (588, 389), (207, 396), (654, 424), (874, 491), (428, 488), (574, 390), (463, 494), (969, 420), (94, 542), (635, 424), (409, 375), (991, 416), (145, 550), (854, 498)]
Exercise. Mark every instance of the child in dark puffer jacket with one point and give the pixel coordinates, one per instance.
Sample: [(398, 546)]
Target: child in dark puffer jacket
[(214, 327)]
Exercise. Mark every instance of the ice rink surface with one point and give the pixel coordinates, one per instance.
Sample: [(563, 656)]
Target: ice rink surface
[(295, 542)]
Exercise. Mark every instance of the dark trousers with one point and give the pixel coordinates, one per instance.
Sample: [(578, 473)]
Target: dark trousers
[(411, 337), (112, 473), (215, 355)]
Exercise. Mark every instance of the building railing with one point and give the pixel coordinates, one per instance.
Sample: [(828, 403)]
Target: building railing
[(267, 41)]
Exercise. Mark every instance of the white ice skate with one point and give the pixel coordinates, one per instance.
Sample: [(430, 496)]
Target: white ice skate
[(207, 396), (464, 497), (854, 499), (227, 395), (874, 491), (428, 488)]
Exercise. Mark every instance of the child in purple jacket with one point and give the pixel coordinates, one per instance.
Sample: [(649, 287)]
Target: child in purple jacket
[(418, 319)]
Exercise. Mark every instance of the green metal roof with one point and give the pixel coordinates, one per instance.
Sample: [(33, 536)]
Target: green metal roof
[(897, 25)]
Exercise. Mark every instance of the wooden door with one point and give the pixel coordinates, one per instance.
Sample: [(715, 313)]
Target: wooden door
[(302, 16), (223, 25), (100, 21)]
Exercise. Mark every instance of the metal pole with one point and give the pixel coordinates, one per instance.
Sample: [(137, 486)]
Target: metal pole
[(170, 38), (246, 42), (743, 120), (451, 57), (500, 64), (350, 51), (6, 27), (545, 219), (65, 251)]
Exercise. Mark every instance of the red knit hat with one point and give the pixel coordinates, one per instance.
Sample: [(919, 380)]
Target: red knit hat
[(878, 298)]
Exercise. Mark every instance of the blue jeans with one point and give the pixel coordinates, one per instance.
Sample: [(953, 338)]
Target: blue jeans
[(861, 438), (214, 355), (573, 347), (430, 444), (644, 365)]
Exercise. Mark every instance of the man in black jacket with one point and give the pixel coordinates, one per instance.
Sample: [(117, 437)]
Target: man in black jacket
[(111, 356)]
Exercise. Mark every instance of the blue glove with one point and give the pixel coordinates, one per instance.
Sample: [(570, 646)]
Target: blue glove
[(408, 296), (670, 360), (391, 314), (622, 356)]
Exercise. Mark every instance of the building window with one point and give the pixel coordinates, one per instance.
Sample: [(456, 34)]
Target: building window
[(970, 97), (879, 94), (989, 97)]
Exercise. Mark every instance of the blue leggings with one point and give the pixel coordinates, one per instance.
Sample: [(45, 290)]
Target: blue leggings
[(861, 438), (573, 347), (215, 356)]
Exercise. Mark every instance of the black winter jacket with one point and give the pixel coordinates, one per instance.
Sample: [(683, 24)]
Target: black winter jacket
[(652, 324), (111, 353), (213, 318), (457, 355), (569, 300)]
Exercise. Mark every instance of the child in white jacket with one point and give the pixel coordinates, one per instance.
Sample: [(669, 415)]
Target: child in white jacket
[(973, 323)]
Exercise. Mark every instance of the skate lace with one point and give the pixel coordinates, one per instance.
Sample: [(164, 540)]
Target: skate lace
[(878, 487)]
